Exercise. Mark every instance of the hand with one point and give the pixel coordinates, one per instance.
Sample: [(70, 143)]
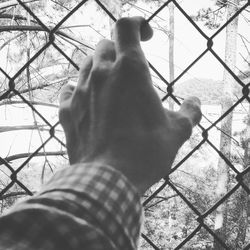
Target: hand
[(114, 116)]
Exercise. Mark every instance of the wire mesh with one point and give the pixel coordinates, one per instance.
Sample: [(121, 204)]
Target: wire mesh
[(152, 199)]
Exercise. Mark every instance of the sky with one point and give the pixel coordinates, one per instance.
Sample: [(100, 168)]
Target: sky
[(188, 42)]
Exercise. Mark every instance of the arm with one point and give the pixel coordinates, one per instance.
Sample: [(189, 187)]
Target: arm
[(85, 206), (120, 140), (114, 116)]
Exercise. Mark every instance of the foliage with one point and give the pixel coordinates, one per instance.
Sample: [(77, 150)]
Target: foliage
[(213, 17), (208, 90), (168, 219)]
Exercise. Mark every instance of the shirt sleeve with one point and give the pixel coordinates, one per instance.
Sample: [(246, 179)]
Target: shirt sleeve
[(85, 206)]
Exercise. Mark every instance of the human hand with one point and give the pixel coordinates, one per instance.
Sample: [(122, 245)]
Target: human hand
[(114, 116)]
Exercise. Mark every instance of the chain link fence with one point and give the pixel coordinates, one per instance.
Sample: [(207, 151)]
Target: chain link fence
[(157, 195)]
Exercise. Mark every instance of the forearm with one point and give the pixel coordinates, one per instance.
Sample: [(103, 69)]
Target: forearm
[(81, 206)]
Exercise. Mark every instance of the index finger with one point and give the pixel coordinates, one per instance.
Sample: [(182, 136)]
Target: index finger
[(129, 32)]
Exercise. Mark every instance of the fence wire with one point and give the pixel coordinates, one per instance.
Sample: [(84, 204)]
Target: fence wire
[(51, 35)]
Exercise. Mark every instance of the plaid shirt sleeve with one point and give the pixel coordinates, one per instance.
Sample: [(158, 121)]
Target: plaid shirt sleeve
[(84, 206)]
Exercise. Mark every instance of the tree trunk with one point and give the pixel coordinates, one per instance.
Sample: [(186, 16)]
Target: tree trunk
[(243, 199), (220, 225), (171, 49), (242, 222)]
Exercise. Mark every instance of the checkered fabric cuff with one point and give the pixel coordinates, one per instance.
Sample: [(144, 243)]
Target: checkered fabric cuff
[(102, 196)]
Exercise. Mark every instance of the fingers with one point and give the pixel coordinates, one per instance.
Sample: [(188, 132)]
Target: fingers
[(130, 31), (79, 97), (105, 51), (68, 90), (66, 93), (74, 96), (84, 72), (64, 101), (190, 108)]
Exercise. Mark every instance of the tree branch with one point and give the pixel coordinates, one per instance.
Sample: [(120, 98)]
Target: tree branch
[(14, 17), (248, 63), (25, 155), (161, 200), (62, 34), (13, 194), (22, 91), (31, 102), (21, 127), (42, 86), (6, 28), (11, 39), (13, 3), (244, 40)]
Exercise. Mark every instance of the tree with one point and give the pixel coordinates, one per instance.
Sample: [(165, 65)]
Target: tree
[(171, 7), (226, 124), (212, 19), (115, 7), (39, 83), (241, 203), (243, 199)]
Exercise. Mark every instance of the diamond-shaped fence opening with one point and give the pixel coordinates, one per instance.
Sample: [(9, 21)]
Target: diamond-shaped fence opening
[(204, 202)]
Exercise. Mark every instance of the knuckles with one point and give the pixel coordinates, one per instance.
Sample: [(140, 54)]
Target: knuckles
[(99, 73), (123, 23), (131, 61)]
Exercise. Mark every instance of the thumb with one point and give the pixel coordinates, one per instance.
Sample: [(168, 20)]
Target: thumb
[(190, 108), (129, 32)]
